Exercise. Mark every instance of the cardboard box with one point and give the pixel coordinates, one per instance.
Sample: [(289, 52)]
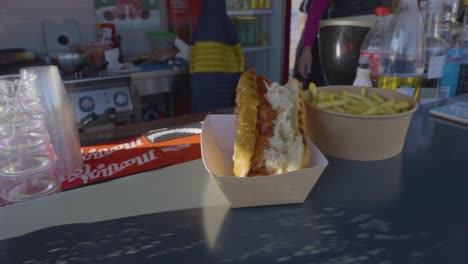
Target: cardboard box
[(217, 144)]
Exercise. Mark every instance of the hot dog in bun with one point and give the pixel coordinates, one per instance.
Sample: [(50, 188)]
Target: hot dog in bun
[(271, 133)]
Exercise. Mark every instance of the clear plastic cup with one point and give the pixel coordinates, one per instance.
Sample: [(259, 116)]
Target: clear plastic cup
[(6, 132), (27, 160), (2, 202), (4, 104), (23, 134), (28, 172), (27, 186), (27, 157)]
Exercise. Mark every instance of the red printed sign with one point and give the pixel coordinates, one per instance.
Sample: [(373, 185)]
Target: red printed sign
[(131, 156)]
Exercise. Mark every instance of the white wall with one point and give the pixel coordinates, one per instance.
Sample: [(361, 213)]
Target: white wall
[(20, 20), (20, 23)]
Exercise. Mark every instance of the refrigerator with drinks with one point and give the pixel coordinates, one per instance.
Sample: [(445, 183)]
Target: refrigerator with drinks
[(263, 27)]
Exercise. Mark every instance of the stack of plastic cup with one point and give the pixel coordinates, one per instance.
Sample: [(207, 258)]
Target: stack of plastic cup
[(60, 116), (27, 157)]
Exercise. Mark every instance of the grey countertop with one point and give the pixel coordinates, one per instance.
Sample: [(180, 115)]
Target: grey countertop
[(408, 209), (143, 74)]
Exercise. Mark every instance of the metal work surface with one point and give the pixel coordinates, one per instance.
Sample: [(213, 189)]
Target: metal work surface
[(406, 209), (135, 75)]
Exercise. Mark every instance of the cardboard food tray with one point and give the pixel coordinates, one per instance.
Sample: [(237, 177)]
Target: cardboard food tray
[(217, 144)]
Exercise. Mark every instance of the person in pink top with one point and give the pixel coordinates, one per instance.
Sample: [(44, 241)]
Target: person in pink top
[(307, 66), (314, 14)]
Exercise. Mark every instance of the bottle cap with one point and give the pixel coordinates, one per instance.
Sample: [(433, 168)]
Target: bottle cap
[(382, 11)]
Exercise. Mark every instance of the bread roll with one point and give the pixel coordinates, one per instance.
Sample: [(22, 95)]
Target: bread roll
[(271, 133), (246, 120)]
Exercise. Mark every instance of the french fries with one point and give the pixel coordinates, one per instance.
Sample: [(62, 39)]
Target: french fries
[(366, 102)]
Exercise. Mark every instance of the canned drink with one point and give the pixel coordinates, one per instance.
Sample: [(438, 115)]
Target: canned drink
[(241, 30), (262, 4), (257, 31), (251, 33), (264, 39)]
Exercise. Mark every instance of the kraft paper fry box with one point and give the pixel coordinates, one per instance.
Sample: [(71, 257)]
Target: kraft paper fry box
[(359, 137), (217, 144)]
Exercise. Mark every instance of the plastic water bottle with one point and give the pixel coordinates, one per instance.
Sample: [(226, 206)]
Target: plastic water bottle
[(402, 63), (436, 50), (451, 32), (372, 44)]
